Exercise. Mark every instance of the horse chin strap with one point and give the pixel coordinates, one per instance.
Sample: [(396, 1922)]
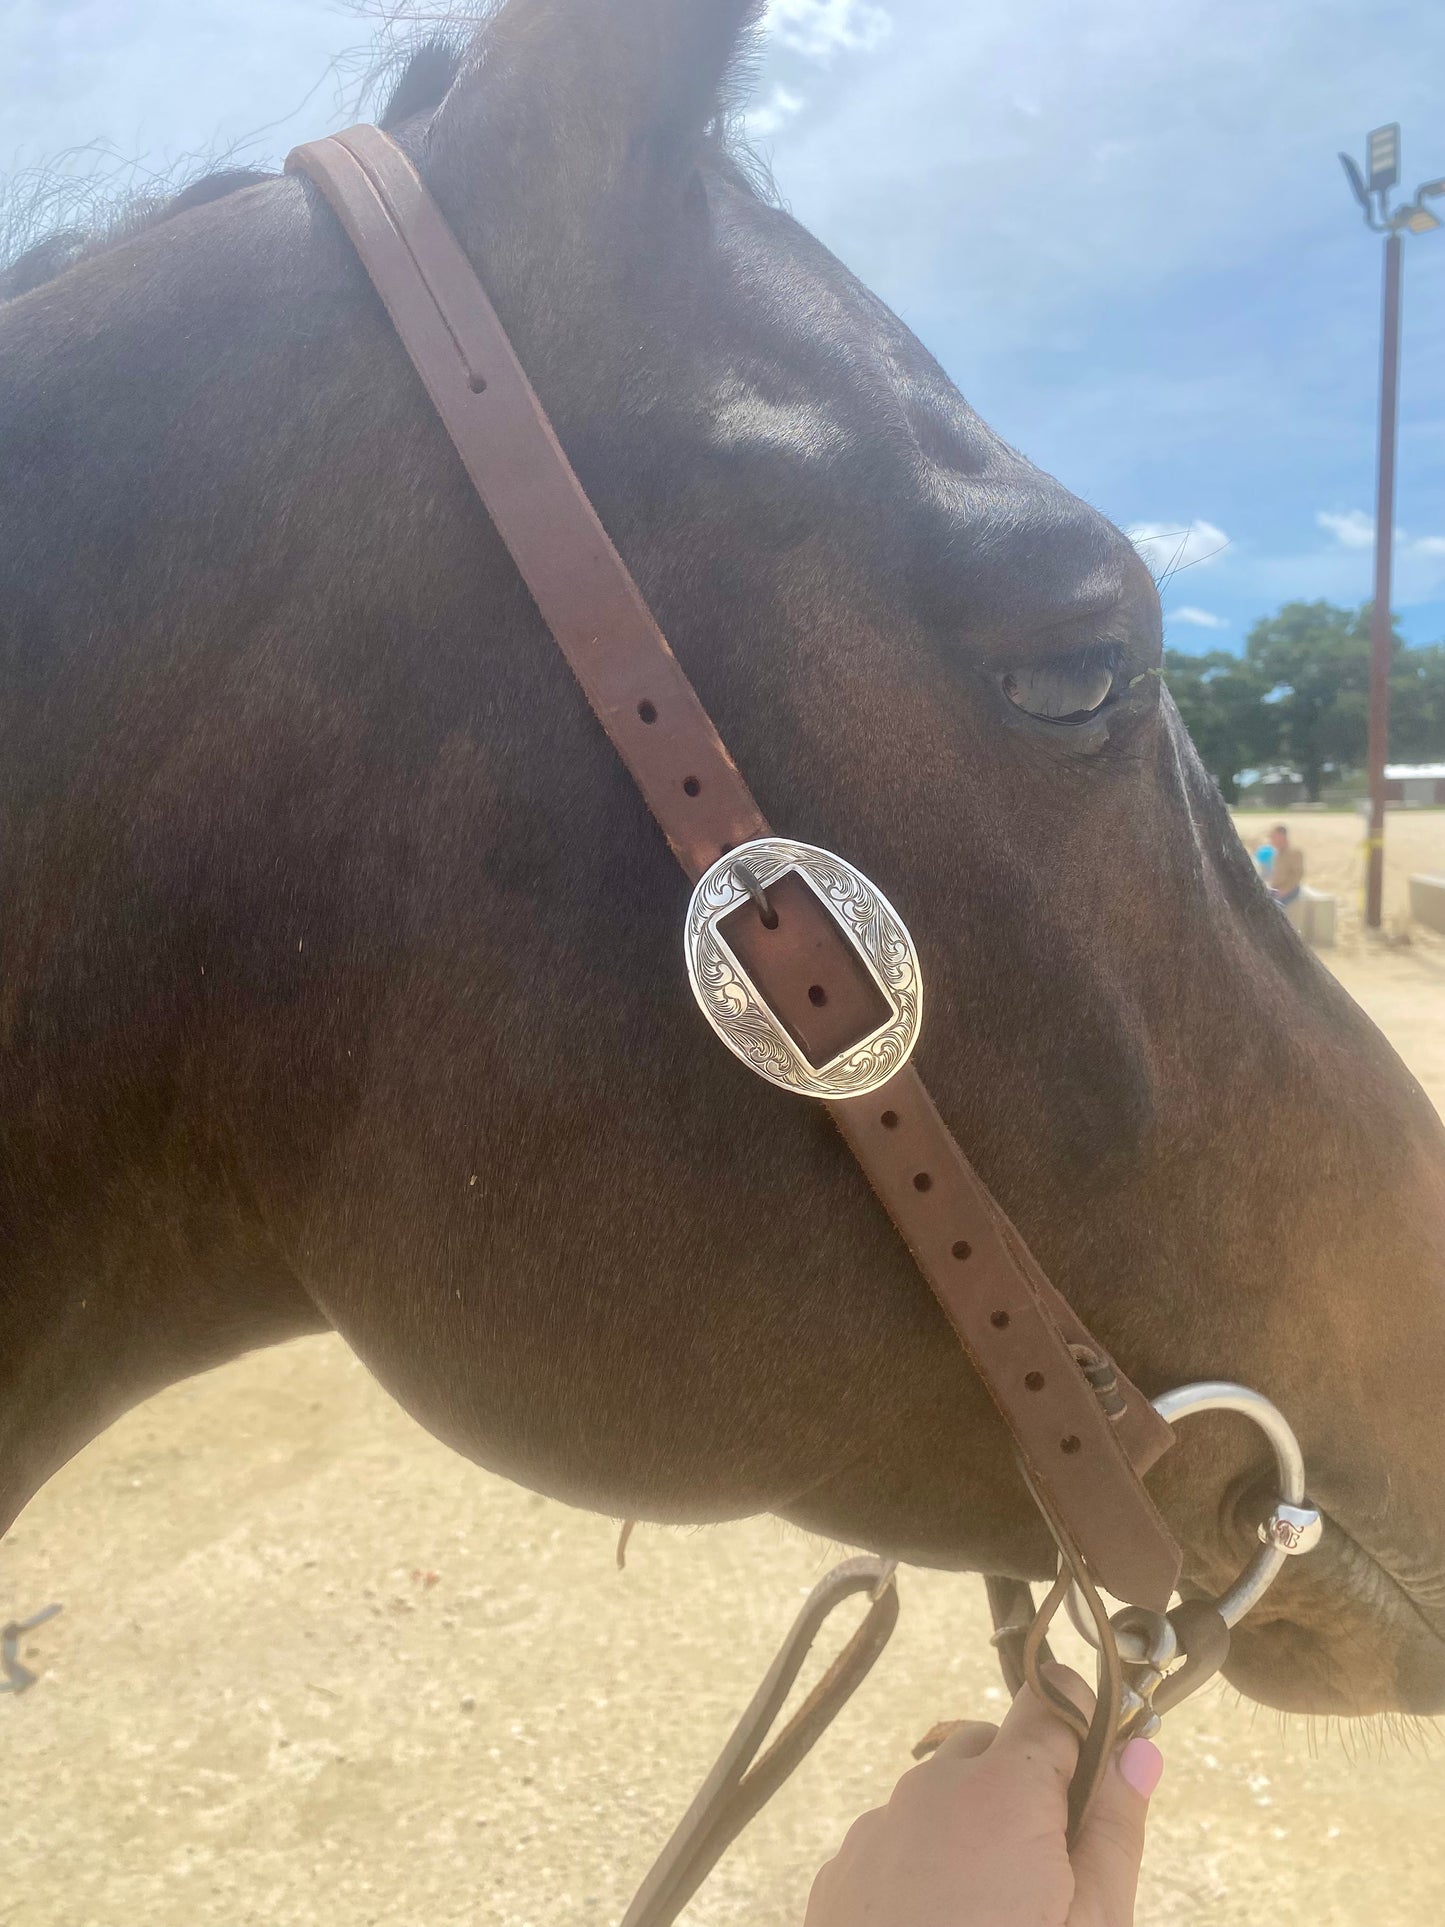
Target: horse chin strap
[(808, 975)]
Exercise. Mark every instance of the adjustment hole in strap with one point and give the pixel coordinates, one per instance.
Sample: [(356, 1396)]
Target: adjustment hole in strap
[(999, 1320), (1034, 1381), (922, 1181), (1070, 1444), (691, 786), (477, 384), (889, 1120), (817, 996), (963, 1249), (648, 712)]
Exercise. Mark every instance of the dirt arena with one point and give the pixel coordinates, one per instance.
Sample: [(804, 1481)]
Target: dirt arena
[(314, 1671)]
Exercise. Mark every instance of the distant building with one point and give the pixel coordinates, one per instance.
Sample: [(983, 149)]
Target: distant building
[(1272, 788), (1407, 785), (1417, 784)]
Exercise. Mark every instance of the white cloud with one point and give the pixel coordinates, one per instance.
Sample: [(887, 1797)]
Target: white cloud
[(994, 228), (1352, 530), (1341, 573), (1356, 530), (822, 28), (1168, 547), (1198, 618), (775, 112)]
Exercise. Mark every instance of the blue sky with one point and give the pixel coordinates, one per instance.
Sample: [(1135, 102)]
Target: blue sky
[(1122, 229)]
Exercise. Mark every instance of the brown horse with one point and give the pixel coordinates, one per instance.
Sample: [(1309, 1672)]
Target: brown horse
[(340, 973)]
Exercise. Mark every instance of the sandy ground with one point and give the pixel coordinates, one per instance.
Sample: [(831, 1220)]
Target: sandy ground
[(314, 1671)]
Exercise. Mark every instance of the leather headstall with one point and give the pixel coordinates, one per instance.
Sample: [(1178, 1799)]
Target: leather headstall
[(1084, 1434)]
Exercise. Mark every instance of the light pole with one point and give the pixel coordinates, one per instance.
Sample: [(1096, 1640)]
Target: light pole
[(1372, 190)]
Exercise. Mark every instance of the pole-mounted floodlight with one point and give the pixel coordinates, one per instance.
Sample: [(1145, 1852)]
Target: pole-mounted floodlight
[(1371, 187), (1382, 150), (1372, 190)]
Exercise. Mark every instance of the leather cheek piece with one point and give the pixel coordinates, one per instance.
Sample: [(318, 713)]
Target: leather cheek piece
[(1007, 1322)]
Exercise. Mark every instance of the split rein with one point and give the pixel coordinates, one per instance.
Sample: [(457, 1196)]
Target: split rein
[(809, 976), (1147, 1663)]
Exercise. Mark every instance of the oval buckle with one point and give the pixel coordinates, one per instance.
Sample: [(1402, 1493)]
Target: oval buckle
[(732, 1004)]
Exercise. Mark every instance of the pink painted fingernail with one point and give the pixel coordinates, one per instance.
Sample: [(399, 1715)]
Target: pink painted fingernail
[(1142, 1765)]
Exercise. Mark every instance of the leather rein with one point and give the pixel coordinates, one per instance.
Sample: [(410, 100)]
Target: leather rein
[(809, 976)]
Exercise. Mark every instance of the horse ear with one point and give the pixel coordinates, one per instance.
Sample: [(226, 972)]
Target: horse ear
[(598, 88)]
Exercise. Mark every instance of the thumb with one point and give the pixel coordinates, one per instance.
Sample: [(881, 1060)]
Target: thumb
[(1107, 1855)]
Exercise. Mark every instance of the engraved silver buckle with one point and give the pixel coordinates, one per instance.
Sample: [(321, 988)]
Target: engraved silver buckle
[(737, 1012)]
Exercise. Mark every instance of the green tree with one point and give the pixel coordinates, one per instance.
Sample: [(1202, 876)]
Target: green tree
[(1314, 660), (1417, 705), (1221, 700), (1300, 695)]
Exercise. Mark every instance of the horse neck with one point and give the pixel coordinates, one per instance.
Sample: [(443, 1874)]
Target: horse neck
[(148, 907)]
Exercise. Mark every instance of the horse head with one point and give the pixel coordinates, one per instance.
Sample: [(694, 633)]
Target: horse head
[(342, 979)]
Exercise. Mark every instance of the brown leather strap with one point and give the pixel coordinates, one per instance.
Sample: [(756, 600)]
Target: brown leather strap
[(740, 1784), (1007, 1317), (580, 583), (994, 1296)]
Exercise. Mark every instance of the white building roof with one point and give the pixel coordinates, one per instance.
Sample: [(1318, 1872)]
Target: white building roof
[(1406, 772), (1271, 773)]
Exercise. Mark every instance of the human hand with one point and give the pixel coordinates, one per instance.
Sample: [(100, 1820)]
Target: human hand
[(977, 1834)]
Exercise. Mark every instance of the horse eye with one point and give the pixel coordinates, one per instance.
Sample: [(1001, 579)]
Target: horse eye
[(1063, 692)]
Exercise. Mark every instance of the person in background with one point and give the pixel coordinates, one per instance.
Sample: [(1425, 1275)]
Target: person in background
[(1286, 873), (975, 1837)]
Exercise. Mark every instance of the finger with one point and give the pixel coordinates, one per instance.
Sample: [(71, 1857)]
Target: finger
[(1032, 1731), (1107, 1854), (1063, 1679), (946, 1765), (967, 1741)]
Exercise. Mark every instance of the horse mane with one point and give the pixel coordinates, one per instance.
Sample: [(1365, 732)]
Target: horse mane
[(419, 80), (414, 79)]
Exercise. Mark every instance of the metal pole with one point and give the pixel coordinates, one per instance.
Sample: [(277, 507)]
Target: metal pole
[(1379, 738)]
